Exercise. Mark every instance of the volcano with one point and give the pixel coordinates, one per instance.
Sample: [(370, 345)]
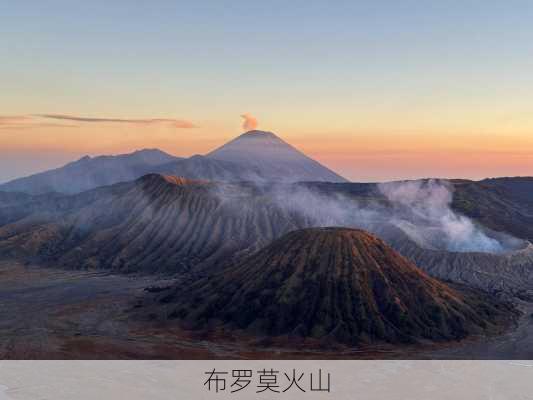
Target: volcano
[(156, 224), (275, 159), (337, 284)]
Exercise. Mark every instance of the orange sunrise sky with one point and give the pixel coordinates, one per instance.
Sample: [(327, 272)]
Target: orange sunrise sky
[(372, 91)]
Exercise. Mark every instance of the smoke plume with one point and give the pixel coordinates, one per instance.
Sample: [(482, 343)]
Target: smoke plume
[(419, 210), (422, 209), (250, 122)]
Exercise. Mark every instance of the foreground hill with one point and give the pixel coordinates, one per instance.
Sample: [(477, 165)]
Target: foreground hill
[(337, 284)]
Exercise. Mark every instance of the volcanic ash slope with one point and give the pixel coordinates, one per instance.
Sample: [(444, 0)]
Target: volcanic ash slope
[(334, 284)]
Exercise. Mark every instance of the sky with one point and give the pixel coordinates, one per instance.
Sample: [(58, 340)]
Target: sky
[(376, 90)]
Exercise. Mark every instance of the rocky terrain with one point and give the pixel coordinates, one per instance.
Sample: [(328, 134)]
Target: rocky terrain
[(509, 273), (49, 313), (162, 224)]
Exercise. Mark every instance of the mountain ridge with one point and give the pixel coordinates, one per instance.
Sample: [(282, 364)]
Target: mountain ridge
[(90, 172), (283, 163), (126, 226)]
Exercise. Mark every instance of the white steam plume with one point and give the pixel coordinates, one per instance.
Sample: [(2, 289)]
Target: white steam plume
[(250, 122), (420, 209)]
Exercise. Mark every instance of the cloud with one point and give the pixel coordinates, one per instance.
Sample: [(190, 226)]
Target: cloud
[(250, 122), (35, 121), (176, 123), (25, 122)]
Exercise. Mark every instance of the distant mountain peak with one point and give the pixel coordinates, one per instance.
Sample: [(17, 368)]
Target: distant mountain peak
[(276, 159), (258, 134), (254, 137), (83, 159)]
